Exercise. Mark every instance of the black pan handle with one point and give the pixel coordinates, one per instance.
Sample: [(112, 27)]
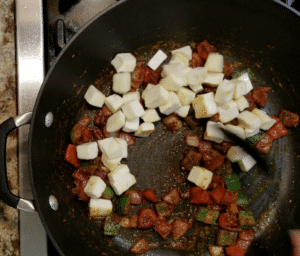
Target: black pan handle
[(5, 194)]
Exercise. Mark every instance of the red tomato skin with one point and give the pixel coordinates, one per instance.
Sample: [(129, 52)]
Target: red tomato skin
[(277, 130), (71, 155)]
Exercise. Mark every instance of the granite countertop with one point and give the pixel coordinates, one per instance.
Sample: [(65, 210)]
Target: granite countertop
[(9, 235)]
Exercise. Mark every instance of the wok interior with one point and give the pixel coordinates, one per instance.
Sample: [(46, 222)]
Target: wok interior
[(257, 35)]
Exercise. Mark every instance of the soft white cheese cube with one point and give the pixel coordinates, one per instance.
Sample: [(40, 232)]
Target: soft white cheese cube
[(150, 116), (196, 76), (240, 88), (249, 120), (213, 79), (237, 130), (174, 68), (156, 96), (121, 169), (130, 96), (204, 105), (242, 103), (94, 97), (115, 122), (228, 112), (224, 92), (110, 147), (246, 163), (251, 132), (131, 126), (173, 82), (171, 105), (200, 176), (100, 207), (213, 132), (214, 62), (114, 102), (147, 90), (236, 153), (185, 96), (124, 62), (183, 111), (133, 110), (179, 57), (121, 82), (87, 151), (145, 130), (94, 187), (266, 121), (187, 50), (197, 88), (245, 77), (186, 71), (110, 164), (124, 146), (158, 58)]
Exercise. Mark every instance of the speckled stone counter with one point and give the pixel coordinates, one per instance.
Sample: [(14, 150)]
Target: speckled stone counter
[(9, 237)]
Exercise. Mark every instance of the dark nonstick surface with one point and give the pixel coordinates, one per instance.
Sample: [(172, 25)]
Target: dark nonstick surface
[(260, 34)]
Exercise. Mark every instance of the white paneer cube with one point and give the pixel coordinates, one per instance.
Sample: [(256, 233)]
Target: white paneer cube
[(214, 62), (200, 176), (114, 102), (87, 151), (174, 68), (147, 90), (94, 187), (249, 120), (197, 88), (115, 122), (246, 163), (183, 111), (121, 169), (205, 105), (224, 92), (158, 58), (110, 164), (237, 130), (186, 71), (100, 207), (245, 77), (236, 153), (130, 96), (180, 57), (133, 110), (196, 76), (94, 97), (185, 96), (145, 130), (213, 132), (242, 103), (187, 50), (173, 82), (228, 112), (251, 132), (121, 82), (171, 105), (213, 79), (110, 147), (131, 126), (124, 62), (156, 96), (240, 88), (124, 147), (266, 121), (150, 116)]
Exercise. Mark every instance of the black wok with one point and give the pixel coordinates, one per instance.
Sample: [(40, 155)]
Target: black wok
[(260, 34)]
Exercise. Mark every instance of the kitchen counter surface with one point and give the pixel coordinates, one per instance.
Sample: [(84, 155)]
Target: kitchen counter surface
[(9, 235)]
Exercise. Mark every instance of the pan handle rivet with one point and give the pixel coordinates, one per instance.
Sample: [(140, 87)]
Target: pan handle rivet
[(53, 203), (49, 119)]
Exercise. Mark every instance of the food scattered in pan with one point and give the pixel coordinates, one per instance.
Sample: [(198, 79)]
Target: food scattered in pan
[(194, 84)]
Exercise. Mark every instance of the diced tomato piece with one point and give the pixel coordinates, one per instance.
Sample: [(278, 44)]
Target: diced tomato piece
[(126, 136), (204, 48), (87, 135), (81, 175), (229, 198), (226, 145), (106, 112), (218, 194), (265, 144), (85, 121), (102, 174), (228, 221), (172, 196), (172, 122), (243, 243), (192, 122), (190, 159), (135, 196), (209, 47), (192, 140), (101, 116), (81, 195), (277, 130), (163, 228), (140, 246), (252, 104), (200, 196), (147, 218), (71, 155), (213, 160), (196, 60), (205, 146), (179, 227), (260, 95), (97, 133), (215, 118), (235, 121), (289, 119), (152, 76), (227, 69), (137, 76), (207, 88), (234, 250), (150, 195), (134, 219), (217, 182), (246, 235)]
